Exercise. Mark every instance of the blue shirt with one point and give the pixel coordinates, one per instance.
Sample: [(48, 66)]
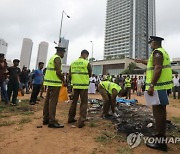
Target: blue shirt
[(38, 76)]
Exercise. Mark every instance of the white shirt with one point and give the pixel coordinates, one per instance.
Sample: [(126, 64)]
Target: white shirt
[(92, 79), (176, 81), (139, 82)]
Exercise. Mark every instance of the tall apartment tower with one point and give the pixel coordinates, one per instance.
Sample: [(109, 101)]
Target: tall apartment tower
[(129, 23), (42, 53), (26, 52), (65, 44), (3, 47)]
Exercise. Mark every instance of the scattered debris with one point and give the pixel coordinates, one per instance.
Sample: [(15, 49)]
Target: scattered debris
[(130, 117), (73, 126), (149, 125), (39, 126)]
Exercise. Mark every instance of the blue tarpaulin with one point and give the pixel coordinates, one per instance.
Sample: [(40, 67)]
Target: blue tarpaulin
[(128, 101)]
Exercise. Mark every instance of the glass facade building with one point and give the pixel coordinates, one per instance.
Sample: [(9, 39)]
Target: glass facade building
[(129, 23)]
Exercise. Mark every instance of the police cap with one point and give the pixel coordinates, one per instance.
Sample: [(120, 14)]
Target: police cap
[(60, 49), (155, 38)]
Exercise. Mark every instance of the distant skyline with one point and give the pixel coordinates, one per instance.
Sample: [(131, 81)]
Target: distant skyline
[(129, 24), (26, 52), (40, 21), (42, 53)]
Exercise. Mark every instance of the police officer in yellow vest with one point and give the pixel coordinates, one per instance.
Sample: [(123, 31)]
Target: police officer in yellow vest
[(128, 86), (109, 77), (159, 78), (109, 91), (79, 73), (53, 79)]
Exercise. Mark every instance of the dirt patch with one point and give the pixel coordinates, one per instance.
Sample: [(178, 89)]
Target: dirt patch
[(98, 136)]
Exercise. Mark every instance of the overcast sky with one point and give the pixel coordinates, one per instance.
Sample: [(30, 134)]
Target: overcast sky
[(39, 20)]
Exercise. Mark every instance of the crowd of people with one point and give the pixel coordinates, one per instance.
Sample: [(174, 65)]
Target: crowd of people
[(131, 83), (136, 85), (80, 81), (14, 81)]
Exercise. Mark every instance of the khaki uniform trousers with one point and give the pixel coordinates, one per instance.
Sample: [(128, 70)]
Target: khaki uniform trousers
[(159, 112), (107, 100), (83, 106), (49, 111)]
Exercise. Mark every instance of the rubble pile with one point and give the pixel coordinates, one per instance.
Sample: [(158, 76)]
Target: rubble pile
[(135, 118), (139, 118), (131, 118)]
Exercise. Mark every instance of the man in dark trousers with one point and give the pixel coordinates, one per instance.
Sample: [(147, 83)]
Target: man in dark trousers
[(109, 91), (3, 71), (79, 73), (14, 81), (37, 83), (54, 79), (24, 79), (158, 78)]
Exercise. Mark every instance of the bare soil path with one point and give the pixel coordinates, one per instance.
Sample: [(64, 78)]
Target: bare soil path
[(19, 133)]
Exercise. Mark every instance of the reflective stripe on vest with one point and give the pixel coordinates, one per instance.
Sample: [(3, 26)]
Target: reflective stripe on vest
[(165, 79), (127, 82), (109, 86), (79, 74), (51, 78), (152, 68)]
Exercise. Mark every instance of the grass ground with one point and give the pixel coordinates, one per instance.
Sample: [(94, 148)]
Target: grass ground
[(20, 132)]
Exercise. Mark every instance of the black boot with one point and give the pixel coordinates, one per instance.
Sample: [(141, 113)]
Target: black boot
[(158, 146)]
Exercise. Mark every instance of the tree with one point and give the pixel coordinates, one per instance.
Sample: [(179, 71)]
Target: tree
[(92, 59), (131, 69), (132, 66)]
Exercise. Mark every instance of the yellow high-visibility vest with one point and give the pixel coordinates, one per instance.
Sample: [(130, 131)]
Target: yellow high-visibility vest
[(51, 78), (109, 86), (79, 74), (127, 82), (165, 79)]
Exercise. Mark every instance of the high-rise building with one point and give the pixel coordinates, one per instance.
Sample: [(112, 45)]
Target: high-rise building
[(3, 47), (42, 53), (129, 23), (26, 52), (65, 44)]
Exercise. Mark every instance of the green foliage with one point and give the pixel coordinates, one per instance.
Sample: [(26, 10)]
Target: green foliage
[(92, 59), (27, 113), (4, 115), (176, 120), (102, 139), (2, 107), (93, 124), (131, 69), (126, 71), (124, 150), (24, 120), (132, 66), (6, 123)]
